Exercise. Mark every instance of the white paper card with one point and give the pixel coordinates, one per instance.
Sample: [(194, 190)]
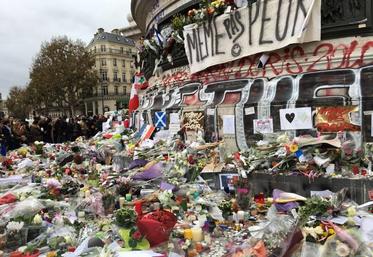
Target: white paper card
[(296, 118), (228, 124), (263, 126), (210, 112), (119, 118), (324, 193), (366, 229), (173, 128), (249, 111), (174, 118)]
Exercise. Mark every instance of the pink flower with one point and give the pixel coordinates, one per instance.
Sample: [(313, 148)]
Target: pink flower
[(136, 235)]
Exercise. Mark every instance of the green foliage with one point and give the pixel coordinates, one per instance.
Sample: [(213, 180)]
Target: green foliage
[(178, 22), (313, 206), (61, 74), (17, 103), (125, 217)]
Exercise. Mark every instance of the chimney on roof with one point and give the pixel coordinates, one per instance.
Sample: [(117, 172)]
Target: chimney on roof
[(100, 30), (115, 31)]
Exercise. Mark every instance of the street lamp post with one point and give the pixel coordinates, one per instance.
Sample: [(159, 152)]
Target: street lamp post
[(102, 99)]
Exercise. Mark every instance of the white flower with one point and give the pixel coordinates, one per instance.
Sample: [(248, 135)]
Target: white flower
[(14, 226), (37, 219), (342, 250)]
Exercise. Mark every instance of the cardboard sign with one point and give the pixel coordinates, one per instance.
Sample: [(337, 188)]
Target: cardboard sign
[(263, 26), (263, 126), (296, 118)]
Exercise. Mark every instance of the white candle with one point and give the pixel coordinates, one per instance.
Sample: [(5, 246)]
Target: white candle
[(208, 239), (122, 200), (240, 215), (87, 194), (197, 235)]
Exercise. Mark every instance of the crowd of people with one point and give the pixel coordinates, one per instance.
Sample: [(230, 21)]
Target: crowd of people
[(14, 132)]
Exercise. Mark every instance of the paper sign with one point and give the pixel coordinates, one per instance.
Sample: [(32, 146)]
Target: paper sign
[(249, 111), (263, 126), (210, 112), (337, 118), (248, 31), (228, 124), (119, 118), (173, 128), (174, 118), (296, 118)]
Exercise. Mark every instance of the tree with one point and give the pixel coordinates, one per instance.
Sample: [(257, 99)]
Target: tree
[(61, 73), (17, 103)]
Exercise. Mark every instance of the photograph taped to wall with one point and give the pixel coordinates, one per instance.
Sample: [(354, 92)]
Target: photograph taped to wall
[(296, 118), (337, 118)]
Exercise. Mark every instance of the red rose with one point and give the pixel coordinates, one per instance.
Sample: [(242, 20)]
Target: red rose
[(136, 235)]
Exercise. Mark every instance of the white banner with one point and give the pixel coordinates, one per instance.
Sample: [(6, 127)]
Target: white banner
[(264, 26)]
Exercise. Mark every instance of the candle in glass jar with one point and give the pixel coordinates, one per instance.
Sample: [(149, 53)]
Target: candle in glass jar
[(197, 235), (87, 194), (122, 200), (128, 197), (241, 215)]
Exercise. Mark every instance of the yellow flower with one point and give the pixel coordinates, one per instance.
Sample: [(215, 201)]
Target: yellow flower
[(51, 254), (331, 231), (293, 148), (351, 211)]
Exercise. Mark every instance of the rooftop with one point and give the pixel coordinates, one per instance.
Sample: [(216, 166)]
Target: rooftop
[(102, 36)]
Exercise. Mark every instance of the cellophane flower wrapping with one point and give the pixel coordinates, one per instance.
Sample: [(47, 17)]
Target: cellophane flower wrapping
[(157, 226)]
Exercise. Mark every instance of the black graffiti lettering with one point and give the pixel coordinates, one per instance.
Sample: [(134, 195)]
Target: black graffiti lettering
[(200, 44), (252, 19), (227, 26), (234, 27), (284, 33), (242, 30), (300, 5), (264, 20), (208, 35), (217, 37), (192, 43)]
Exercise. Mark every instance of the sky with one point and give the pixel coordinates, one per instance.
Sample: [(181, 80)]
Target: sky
[(25, 24)]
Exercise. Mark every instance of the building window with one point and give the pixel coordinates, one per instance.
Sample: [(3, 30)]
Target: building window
[(124, 90), (130, 50), (124, 77), (95, 49), (115, 62), (121, 50), (115, 76), (103, 62), (116, 91), (103, 48), (104, 90), (103, 75), (123, 63)]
